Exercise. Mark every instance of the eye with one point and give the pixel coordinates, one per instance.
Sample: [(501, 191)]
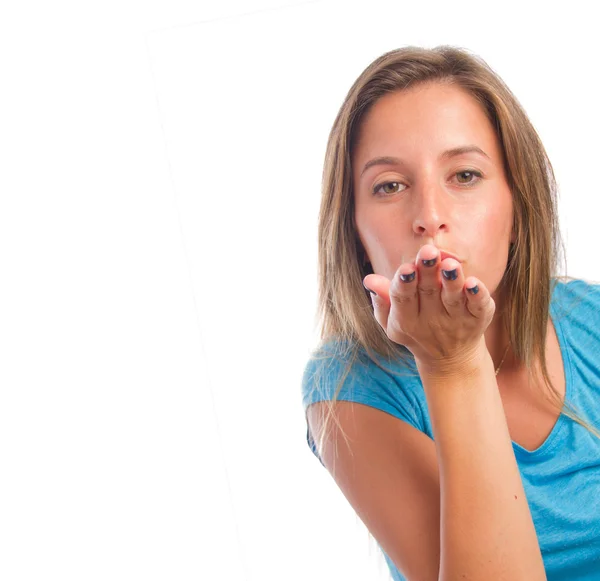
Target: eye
[(471, 172), (383, 184), (468, 184)]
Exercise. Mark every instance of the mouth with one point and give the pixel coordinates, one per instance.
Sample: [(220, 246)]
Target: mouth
[(444, 254)]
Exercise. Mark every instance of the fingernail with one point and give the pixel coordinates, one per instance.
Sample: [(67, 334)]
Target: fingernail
[(407, 277), (474, 290), (429, 262), (450, 274), (372, 292)]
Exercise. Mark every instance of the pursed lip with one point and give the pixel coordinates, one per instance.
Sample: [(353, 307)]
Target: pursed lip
[(444, 254)]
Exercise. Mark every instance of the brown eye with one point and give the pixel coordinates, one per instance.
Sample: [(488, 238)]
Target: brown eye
[(469, 172), (388, 188)]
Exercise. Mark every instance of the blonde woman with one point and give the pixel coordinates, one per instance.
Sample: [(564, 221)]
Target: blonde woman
[(455, 390)]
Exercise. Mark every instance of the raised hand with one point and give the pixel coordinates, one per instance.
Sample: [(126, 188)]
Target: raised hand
[(435, 317)]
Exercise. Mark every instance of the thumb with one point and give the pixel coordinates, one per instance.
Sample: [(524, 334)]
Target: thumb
[(379, 289)]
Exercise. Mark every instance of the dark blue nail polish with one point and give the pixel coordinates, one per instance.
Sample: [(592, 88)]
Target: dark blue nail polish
[(408, 277), (474, 290), (367, 288), (450, 274), (429, 262)]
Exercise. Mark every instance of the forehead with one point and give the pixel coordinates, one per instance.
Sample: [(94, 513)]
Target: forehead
[(431, 116)]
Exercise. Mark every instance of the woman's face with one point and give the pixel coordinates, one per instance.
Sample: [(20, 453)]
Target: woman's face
[(424, 196)]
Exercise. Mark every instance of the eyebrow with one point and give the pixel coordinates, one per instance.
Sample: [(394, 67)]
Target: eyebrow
[(449, 153)]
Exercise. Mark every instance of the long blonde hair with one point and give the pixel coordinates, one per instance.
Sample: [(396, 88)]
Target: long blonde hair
[(344, 309)]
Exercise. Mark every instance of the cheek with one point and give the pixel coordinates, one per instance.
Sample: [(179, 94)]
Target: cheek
[(365, 234), (493, 247), (371, 228), (491, 223), (483, 236)]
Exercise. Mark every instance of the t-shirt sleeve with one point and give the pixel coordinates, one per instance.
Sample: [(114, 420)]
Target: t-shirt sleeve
[(365, 383)]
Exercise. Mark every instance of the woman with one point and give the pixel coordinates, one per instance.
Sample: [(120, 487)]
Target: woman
[(451, 388)]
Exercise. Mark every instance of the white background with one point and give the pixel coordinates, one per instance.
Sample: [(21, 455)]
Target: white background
[(159, 187)]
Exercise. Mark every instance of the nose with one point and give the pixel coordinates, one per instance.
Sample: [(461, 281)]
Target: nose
[(430, 211)]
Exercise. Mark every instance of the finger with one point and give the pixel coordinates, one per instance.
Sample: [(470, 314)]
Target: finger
[(378, 287), (453, 296), (479, 301), (404, 300), (429, 284)]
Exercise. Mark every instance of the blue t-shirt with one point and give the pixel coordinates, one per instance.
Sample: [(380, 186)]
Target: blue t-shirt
[(561, 478)]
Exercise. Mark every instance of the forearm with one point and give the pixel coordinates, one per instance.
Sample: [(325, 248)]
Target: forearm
[(486, 527)]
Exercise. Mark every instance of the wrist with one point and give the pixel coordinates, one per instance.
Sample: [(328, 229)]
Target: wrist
[(467, 364)]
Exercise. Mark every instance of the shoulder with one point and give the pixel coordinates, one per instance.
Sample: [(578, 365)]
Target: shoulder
[(575, 306), (577, 295), (349, 360), (345, 371)]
